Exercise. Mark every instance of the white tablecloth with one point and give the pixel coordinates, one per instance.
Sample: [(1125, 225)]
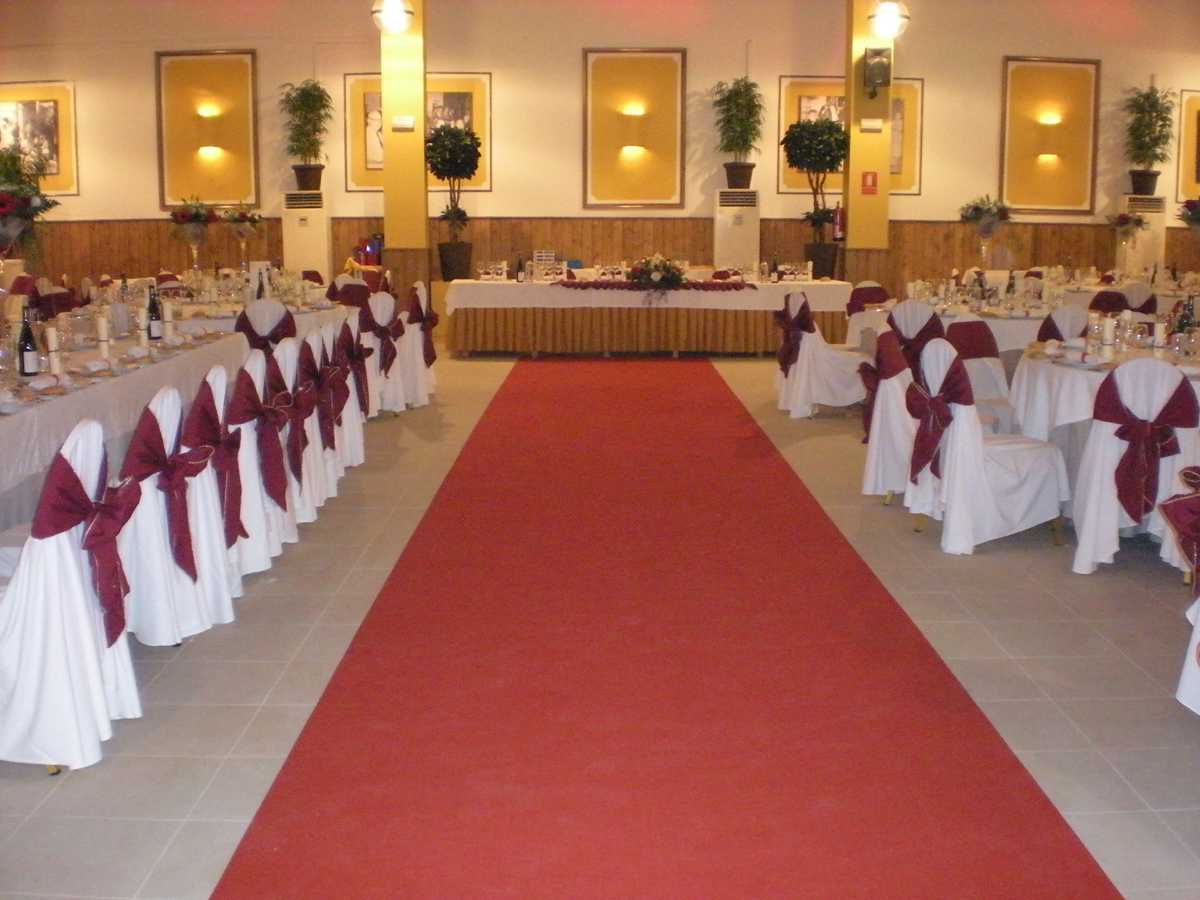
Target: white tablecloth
[(823, 296), (1010, 333), (1047, 395), (1083, 295), (306, 320)]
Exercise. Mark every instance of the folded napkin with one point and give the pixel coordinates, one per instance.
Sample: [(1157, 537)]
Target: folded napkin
[(97, 365), (1076, 343), (137, 353), (195, 330), (106, 280), (1053, 347), (43, 382), (175, 340), (1074, 355)]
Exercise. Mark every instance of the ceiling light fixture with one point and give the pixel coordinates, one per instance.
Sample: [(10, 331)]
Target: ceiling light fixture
[(392, 16)]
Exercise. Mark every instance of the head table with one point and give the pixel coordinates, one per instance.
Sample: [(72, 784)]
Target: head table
[(540, 317)]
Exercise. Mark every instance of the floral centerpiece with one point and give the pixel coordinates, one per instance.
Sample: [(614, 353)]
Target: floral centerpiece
[(657, 273), (1127, 225), (985, 214), (1189, 214), (21, 197), (191, 222), (245, 222)]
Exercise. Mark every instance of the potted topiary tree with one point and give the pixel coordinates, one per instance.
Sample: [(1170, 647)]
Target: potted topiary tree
[(817, 148), (309, 109), (1148, 134), (739, 108), (452, 155)]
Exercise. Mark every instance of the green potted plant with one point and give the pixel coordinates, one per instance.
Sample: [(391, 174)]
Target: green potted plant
[(22, 201), (817, 148), (452, 155), (1148, 134), (309, 109), (739, 108)]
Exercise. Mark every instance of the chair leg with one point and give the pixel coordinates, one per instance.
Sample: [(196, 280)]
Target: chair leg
[(53, 770), (919, 522), (1056, 531), (887, 500), (1188, 577)]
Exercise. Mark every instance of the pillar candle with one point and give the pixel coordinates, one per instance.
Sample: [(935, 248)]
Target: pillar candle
[(104, 348), (143, 318), (1160, 334), (1109, 336), (168, 330), (168, 311), (55, 362), (51, 333), (102, 328)]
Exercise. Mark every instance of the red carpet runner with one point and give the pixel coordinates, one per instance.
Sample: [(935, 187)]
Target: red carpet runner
[(627, 657)]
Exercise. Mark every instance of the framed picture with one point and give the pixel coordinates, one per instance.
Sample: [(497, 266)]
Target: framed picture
[(207, 127), (39, 116), (453, 98), (463, 99), (1048, 134), (811, 97), (1188, 155), (633, 128)]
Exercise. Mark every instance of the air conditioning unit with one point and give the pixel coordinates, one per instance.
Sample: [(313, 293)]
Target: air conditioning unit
[(307, 239), (1149, 246), (735, 230)]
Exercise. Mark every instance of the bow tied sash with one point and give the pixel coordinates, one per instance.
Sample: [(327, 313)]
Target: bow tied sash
[(889, 362), (203, 428), (284, 328), (352, 295), (912, 347), (428, 320), (933, 415), (794, 329), (271, 416), (350, 353), (63, 505), (387, 335), (304, 403), (1148, 442), (1182, 512)]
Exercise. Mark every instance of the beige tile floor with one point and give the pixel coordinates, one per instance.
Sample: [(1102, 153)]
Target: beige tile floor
[(1076, 672)]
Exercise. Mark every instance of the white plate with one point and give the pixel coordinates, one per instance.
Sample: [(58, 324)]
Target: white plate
[(7, 409)]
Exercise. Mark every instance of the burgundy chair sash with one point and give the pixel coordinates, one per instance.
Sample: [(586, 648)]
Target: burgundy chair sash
[(59, 300), (861, 297), (147, 455), (285, 328), (1050, 331), (304, 403), (793, 333), (164, 277), (889, 362), (1109, 302), (1150, 307), (63, 505), (349, 352), (1137, 472), (373, 279), (1182, 512), (272, 415), (351, 294), (933, 415), (428, 320), (1033, 273), (1107, 279), (972, 340), (203, 428), (387, 335), (309, 371), (312, 275), (912, 347)]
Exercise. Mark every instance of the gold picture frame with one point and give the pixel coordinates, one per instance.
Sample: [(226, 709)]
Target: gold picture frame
[(634, 121), (819, 96), (207, 110), (1049, 135), (1187, 186), (41, 116), (468, 94)]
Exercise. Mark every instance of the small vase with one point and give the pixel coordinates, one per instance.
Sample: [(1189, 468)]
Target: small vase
[(986, 228), (193, 233), (11, 228)]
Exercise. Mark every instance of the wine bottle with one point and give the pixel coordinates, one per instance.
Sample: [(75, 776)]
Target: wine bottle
[(1187, 317), (839, 222), (520, 267), (262, 288), (154, 328), (1010, 289), (28, 364)]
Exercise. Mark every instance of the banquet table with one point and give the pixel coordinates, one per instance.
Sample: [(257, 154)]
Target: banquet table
[(534, 318), (1011, 332)]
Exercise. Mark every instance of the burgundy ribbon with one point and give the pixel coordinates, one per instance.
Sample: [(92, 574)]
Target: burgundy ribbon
[(304, 403), (387, 335), (147, 455), (284, 328), (889, 362), (1150, 307), (972, 340), (55, 301), (1182, 511), (1137, 472), (868, 295), (351, 294), (912, 347), (793, 333), (1050, 331), (246, 406), (933, 415), (428, 320), (1109, 302), (64, 504), (309, 371), (349, 352), (203, 428), (312, 275)]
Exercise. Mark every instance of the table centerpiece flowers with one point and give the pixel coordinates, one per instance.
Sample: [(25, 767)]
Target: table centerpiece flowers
[(245, 223), (21, 199), (1189, 215), (657, 273), (191, 221), (986, 215), (1126, 226)]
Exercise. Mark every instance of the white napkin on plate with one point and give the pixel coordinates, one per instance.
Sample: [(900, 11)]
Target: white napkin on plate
[(48, 381), (97, 365), (137, 353)]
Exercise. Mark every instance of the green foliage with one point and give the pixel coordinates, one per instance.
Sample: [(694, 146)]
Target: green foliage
[(309, 109), (452, 155), (739, 108), (816, 148), (22, 201), (1151, 126)]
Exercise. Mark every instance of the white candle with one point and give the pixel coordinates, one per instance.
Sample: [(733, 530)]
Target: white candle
[(1160, 334), (143, 338), (168, 329), (104, 348), (51, 338), (55, 363), (102, 328), (1127, 315), (143, 318), (168, 311), (1109, 336)]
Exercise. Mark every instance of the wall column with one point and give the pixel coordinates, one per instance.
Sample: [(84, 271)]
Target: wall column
[(870, 151), (405, 193)]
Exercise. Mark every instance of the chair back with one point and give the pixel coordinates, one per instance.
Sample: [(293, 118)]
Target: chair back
[(1109, 302), (1140, 297), (383, 308), (972, 339), (1064, 323), (286, 355), (865, 294), (167, 407)]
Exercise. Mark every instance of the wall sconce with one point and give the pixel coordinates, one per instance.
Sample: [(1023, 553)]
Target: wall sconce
[(1049, 136), (392, 16), (889, 19), (207, 128), (633, 132), (877, 70)]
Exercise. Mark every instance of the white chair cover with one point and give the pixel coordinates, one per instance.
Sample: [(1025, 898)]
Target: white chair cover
[(374, 376), (821, 375), (314, 483), (1144, 385), (334, 469), (419, 381), (1136, 293), (281, 521), (989, 383), (1070, 319), (990, 486), (890, 440), (163, 605), (302, 504), (253, 554), (60, 685), (910, 316), (390, 387), (350, 442)]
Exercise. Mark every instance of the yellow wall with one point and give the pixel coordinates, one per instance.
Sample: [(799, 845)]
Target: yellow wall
[(1189, 186), (222, 84), (618, 171), (405, 199), (1060, 179), (65, 181), (866, 214)]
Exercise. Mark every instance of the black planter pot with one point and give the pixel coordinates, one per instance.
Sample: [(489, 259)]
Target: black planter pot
[(455, 259), (738, 175), (308, 176), (1145, 181), (824, 259)]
